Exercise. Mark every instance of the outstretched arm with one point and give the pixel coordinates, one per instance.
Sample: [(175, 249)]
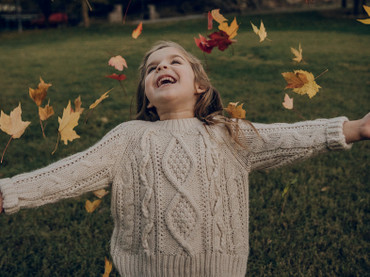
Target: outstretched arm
[(357, 130)]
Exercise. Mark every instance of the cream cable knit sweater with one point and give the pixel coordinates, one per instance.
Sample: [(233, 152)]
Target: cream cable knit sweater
[(179, 190)]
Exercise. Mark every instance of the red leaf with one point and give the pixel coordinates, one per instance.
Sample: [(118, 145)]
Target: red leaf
[(119, 77), (210, 21), (203, 45), (220, 39)]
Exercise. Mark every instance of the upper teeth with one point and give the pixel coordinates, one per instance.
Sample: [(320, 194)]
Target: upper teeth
[(163, 79)]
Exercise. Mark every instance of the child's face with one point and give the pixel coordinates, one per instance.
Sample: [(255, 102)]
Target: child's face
[(170, 85)]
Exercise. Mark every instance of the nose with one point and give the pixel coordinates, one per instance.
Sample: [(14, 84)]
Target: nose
[(160, 67)]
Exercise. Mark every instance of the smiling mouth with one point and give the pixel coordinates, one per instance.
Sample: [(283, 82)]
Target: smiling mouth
[(165, 80)]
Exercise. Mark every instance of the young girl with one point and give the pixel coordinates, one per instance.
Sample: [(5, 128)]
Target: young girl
[(179, 173)]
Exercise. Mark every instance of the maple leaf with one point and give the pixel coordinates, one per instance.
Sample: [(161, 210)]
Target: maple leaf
[(46, 112), (68, 121), (288, 102), (220, 39), (210, 21), (119, 77), (136, 33), (118, 62), (217, 16), (297, 53), (107, 268), (202, 44), (301, 82), (261, 32), (98, 101), (91, 206), (100, 193), (367, 20), (38, 95), (231, 30), (235, 111), (78, 104)]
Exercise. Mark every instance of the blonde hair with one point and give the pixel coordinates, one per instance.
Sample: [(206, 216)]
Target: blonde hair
[(208, 108)]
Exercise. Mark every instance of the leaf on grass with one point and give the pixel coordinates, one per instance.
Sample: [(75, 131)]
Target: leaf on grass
[(91, 206), (297, 53), (288, 102), (98, 101), (107, 268), (38, 95), (12, 124), (46, 112), (118, 62), (301, 82), (230, 30), (100, 193), (235, 111), (119, 77), (261, 32), (366, 20), (217, 16), (68, 121), (136, 33)]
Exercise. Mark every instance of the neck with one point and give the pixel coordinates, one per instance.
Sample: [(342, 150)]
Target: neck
[(176, 115)]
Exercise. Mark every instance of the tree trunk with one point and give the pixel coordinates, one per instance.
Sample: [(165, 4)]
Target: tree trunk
[(85, 13)]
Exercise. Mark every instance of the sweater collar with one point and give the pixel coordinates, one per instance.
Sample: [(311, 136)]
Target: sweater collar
[(179, 124)]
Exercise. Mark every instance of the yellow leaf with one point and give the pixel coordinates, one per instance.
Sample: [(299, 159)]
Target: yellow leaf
[(68, 121), (302, 83), (297, 53), (288, 102), (38, 95), (295, 79), (235, 111), (46, 112), (100, 193), (98, 101), (136, 33), (367, 20), (261, 32), (230, 30), (12, 124), (217, 16), (78, 104), (91, 206), (107, 268)]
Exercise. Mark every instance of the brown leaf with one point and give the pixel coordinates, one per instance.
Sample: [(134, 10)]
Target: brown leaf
[(38, 95), (235, 111)]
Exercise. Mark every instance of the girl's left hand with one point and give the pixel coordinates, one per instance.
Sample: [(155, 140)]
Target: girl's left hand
[(357, 130)]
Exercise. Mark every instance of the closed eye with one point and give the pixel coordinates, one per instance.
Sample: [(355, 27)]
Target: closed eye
[(175, 62), (150, 69)]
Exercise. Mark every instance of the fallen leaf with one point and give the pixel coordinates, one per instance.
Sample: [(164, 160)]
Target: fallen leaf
[(210, 21), (217, 16), (107, 268), (68, 121), (219, 39), (136, 33), (100, 193), (118, 62), (38, 95), (98, 101), (119, 77), (261, 32), (367, 20), (235, 111), (230, 30), (302, 82), (297, 53), (12, 124), (288, 102), (46, 112), (91, 206)]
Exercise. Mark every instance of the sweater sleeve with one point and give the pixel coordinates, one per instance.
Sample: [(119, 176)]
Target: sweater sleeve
[(72, 176), (281, 143)]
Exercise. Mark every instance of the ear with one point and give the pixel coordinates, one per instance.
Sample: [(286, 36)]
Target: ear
[(150, 105), (199, 89)]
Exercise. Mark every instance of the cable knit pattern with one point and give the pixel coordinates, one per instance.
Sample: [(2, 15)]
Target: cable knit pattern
[(179, 189)]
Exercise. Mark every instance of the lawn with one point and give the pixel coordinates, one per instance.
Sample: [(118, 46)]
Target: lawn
[(319, 228)]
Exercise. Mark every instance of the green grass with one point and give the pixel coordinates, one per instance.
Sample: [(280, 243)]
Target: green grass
[(317, 233)]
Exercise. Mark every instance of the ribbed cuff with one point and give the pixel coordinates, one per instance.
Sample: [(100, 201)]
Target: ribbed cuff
[(10, 197), (334, 134)]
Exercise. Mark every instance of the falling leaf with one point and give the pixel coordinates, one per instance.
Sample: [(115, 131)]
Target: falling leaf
[(288, 102), (119, 77), (98, 101), (136, 33), (100, 193), (12, 124), (118, 62), (108, 268), (301, 82), (210, 21), (217, 16), (219, 39), (91, 206), (202, 44), (297, 53), (78, 104), (367, 20), (46, 112), (235, 111), (38, 95), (230, 30), (68, 121), (261, 32)]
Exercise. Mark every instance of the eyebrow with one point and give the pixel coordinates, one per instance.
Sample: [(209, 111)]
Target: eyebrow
[(171, 57)]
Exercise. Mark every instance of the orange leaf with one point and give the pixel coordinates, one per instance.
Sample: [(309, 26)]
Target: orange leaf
[(46, 112), (38, 95), (230, 30), (68, 121), (366, 20), (301, 82), (118, 62), (100, 193), (12, 124), (288, 102), (98, 101), (91, 206), (295, 80), (136, 33), (217, 16), (107, 268), (235, 111), (78, 104)]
